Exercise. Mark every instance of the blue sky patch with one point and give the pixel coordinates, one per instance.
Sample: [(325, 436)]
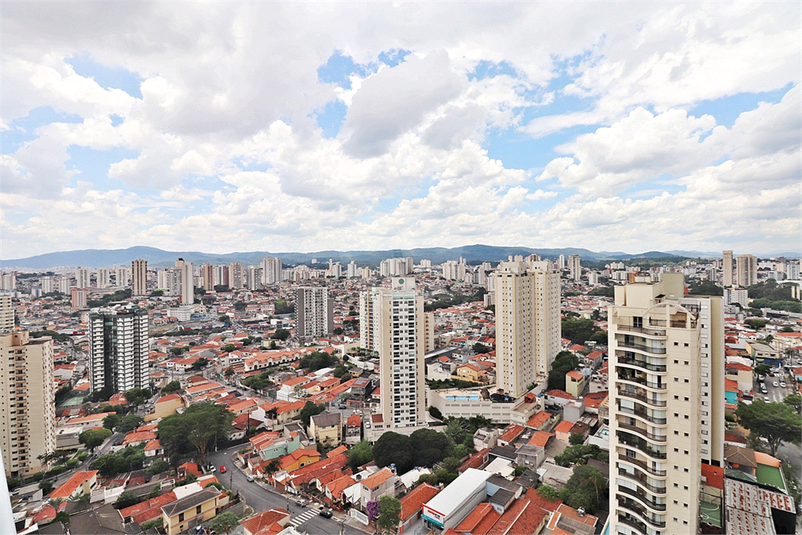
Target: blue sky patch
[(107, 77), (22, 129), (490, 69), (394, 57), (116, 120), (727, 109), (94, 164), (331, 118)]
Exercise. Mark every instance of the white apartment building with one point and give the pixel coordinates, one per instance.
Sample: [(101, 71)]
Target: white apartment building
[(6, 313), (575, 266), (46, 284), (271, 270), (122, 275), (314, 311), (736, 296), (27, 407), (82, 278), (187, 281), (352, 270), (746, 270), (395, 322), (118, 349), (666, 404), (103, 278), (527, 323)]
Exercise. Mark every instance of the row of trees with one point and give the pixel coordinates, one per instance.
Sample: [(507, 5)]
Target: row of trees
[(773, 423), (580, 330)]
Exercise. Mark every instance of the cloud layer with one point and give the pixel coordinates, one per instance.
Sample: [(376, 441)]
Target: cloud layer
[(288, 127)]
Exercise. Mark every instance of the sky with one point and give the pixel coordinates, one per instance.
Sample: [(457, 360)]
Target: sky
[(286, 127)]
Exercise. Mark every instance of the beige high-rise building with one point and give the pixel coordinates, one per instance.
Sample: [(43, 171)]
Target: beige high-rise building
[(726, 269), (236, 276), (187, 281), (746, 270), (394, 320), (103, 278), (139, 277), (666, 404), (575, 266), (271, 270), (528, 327), (207, 277), (27, 401)]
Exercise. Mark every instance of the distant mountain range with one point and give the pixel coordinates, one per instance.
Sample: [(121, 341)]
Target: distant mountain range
[(95, 258)]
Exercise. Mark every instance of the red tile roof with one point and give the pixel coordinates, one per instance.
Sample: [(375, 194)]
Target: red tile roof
[(412, 503), (66, 489), (538, 419), (511, 433)]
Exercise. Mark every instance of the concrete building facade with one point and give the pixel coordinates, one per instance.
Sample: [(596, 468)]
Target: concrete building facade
[(746, 270), (27, 401), (527, 323), (314, 311), (666, 404), (726, 269), (118, 349)]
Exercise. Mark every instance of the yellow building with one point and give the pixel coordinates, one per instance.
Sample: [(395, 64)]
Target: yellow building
[(192, 510), (298, 459), (574, 383), (326, 428), (165, 406), (468, 372)]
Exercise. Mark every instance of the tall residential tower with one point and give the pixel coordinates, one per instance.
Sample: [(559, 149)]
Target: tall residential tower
[(314, 311), (666, 404), (118, 349), (527, 323)]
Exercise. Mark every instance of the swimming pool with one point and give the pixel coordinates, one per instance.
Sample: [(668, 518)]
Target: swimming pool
[(469, 397)]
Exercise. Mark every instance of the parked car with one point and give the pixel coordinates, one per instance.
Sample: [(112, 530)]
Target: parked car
[(325, 513), (782, 384), (249, 477), (222, 469), (766, 399), (300, 503), (775, 383)]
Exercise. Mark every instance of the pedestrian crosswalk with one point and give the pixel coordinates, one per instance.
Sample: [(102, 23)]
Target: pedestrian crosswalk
[(297, 520)]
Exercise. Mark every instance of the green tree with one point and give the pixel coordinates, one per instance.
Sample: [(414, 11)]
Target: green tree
[(548, 492), (197, 426), (389, 514), (158, 466), (229, 372), (127, 499), (774, 422), (394, 448), (152, 523), (111, 421), (172, 386), (129, 423), (309, 410), (576, 439), (46, 486), (456, 429), (763, 369), (564, 362), (429, 446), (63, 517), (795, 401), (704, 287), (201, 363), (578, 330), (281, 334), (224, 522), (92, 438), (360, 454), (434, 412), (137, 396), (585, 488), (479, 348)]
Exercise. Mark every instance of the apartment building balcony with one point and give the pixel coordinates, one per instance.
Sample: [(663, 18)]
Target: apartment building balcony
[(640, 395), (644, 415), (641, 381), (643, 498), (632, 441), (641, 512), (641, 347), (642, 364), (643, 432), (640, 330), (641, 480)]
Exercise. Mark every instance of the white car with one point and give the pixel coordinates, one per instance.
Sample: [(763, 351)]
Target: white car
[(774, 383), (249, 477), (766, 399), (782, 384)]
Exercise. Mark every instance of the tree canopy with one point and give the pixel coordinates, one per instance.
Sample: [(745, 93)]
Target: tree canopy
[(774, 422), (394, 448), (586, 488), (317, 360), (564, 362), (195, 428), (389, 513), (360, 454), (129, 423), (92, 438), (309, 410), (578, 330), (429, 446)]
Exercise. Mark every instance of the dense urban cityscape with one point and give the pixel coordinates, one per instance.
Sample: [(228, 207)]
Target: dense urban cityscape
[(524, 395)]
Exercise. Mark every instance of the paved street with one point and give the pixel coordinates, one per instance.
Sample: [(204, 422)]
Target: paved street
[(304, 518)]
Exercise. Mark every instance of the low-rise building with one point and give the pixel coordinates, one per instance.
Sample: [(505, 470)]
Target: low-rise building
[(326, 428), (192, 510)]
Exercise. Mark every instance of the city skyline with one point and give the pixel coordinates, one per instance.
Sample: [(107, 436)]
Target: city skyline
[(399, 126)]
